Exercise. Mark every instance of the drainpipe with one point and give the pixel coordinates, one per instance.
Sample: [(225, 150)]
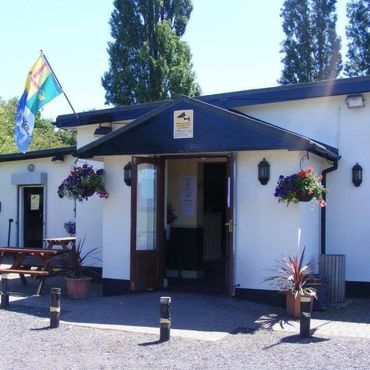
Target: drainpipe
[(323, 209)]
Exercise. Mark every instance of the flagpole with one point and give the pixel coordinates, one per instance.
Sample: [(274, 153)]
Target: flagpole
[(56, 78)]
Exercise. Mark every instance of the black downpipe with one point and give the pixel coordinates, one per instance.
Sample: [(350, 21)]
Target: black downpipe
[(9, 230), (323, 209)]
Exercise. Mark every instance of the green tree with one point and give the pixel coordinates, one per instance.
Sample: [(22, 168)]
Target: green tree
[(298, 59), (358, 35), (44, 135), (148, 60), (311, 46), (326, 42)]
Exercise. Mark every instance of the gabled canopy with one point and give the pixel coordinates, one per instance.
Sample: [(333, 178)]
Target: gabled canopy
[(214, 130)]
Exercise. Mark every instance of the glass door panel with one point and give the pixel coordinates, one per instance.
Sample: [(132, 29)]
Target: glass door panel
[(146, 207)]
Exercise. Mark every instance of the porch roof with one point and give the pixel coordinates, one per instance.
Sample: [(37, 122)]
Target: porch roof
[(214, 130)]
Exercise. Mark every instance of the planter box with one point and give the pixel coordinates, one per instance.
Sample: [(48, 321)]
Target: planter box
[(78, 288), (293, 305)]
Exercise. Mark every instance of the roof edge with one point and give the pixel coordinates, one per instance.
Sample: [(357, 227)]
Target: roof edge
[(43, 153)]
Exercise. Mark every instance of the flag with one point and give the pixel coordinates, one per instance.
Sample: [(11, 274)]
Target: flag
[(41, 87)]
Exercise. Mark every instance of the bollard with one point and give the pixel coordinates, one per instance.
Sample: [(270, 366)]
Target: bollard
[(54, 307), (165, 319), (305, 316), (4, 291)]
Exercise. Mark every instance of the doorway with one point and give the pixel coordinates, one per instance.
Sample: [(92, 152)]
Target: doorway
[(198, 243), (33, 216)]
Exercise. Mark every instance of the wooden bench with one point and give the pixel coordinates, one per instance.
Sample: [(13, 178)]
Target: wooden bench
[(42, 274), (24, 272), (29, 261)]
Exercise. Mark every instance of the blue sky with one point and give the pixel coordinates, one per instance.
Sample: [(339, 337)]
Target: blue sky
[(235, 46)]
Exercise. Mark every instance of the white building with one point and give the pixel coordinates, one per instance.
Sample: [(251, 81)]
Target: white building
[(30, 208), (201, 156)]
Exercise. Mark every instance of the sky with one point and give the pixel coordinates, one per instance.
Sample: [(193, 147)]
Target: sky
[(235, 46)]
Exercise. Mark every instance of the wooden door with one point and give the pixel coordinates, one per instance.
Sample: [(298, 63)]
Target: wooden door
[(146, 224), (230, 224), (33, 216)]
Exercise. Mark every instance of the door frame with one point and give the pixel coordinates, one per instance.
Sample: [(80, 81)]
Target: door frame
[(230, 211), (162, 184), (158, 252), (230, 215)]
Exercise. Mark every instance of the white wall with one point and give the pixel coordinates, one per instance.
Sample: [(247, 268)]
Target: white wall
[(85, 134), (348, 213), (177, 169), (89, 223), (57, 212), (116, 221), (348, 210), (265, 229)]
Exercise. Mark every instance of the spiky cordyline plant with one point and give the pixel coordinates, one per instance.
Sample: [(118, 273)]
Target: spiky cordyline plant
[(293, 275)]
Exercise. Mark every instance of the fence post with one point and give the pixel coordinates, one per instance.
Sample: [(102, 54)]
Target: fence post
[(305, 316), (4, 291), (54, 307), (165, 318)]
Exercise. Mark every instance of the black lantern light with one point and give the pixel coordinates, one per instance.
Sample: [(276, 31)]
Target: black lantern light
[(58, 158), (357, 175), (127, 174), (263, 172)]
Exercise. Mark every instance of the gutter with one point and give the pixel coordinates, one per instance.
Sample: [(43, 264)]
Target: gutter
[(324, 173)]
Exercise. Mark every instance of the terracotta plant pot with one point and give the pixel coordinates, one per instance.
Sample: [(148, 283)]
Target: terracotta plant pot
[(293, 304), (78, 288)]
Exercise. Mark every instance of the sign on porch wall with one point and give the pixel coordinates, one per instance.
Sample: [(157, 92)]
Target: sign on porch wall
[(183, 124), (188, 195)]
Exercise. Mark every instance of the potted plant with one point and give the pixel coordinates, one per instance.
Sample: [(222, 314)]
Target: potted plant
[(294, 280), (83, 182), (301, 187), (78, 284)]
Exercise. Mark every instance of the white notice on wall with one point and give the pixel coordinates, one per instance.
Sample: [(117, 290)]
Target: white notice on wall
[(35, 202), (183, 124), (188, 195)]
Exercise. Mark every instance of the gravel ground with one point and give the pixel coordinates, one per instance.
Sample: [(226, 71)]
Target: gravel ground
[(28, 343)]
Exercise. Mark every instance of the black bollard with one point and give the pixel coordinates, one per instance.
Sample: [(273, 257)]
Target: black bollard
[(54, 307), (305, 316), (4, 291), (165, 319)]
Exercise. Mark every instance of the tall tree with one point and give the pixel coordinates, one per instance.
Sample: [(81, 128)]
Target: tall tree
[(311, 46), (326, 42), (298, 59), (358, 35), (44, 134), (148, 60)]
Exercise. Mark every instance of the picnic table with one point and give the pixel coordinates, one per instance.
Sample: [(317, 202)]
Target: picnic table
[(40, 268), (66, 243)]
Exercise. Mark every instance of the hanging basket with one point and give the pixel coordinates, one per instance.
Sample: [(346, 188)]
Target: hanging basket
[(88, 192), (304, 196)]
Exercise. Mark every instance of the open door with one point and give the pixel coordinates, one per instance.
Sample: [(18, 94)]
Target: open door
[(146, 223), (230, 223)]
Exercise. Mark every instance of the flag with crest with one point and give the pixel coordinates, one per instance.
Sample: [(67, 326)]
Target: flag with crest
[(41, 87)]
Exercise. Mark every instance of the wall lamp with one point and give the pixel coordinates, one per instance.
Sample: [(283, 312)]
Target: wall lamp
[(357, 175), (58, 158), (103, 130), (355, 101), (263, 172), (127, 174)]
